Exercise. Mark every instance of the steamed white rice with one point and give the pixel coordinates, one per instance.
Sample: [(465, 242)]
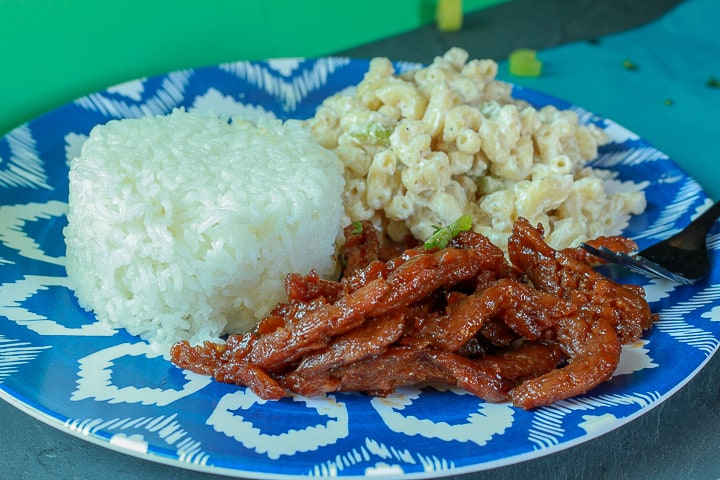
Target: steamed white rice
[(184, 226)]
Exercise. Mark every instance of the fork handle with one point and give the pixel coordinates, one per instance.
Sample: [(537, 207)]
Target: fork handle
[(698, 228)]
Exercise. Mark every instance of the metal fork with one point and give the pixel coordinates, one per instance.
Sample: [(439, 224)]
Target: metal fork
[(682, 258)]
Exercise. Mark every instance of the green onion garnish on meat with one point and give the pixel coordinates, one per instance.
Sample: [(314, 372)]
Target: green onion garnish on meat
[(443, 235)]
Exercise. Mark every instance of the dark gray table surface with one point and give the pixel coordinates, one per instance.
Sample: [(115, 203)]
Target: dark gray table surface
[(678, 439)]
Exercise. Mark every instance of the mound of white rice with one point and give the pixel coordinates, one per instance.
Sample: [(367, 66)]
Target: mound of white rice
[(184, 226)]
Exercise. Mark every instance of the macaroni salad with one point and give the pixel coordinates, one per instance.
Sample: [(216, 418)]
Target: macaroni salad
[(424, 147)]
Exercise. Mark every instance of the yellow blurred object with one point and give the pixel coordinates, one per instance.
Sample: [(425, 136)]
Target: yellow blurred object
[(449, 15), (524, 63)]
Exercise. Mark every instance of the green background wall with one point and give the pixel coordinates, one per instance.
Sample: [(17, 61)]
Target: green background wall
[(53, 51)]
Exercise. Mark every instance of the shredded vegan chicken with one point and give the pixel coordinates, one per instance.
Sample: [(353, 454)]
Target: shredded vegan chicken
[(541, 327)]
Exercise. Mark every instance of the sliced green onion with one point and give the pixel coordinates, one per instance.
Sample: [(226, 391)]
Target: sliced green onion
[(524, 63), (373, 133), (629, 65), (443, 235), (449, 15)]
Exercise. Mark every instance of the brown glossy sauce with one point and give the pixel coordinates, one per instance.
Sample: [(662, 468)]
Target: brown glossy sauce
[(543, 327)]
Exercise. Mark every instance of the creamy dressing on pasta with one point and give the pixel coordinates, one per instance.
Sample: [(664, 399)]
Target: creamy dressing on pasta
[(424, 147)]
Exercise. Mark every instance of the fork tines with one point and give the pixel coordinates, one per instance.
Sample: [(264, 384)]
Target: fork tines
[(637, 264)]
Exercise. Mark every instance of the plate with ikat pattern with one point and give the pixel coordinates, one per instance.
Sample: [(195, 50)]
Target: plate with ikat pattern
[(60, 365)]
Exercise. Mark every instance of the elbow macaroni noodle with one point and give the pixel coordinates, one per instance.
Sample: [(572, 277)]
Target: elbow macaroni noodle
[(425, 147)]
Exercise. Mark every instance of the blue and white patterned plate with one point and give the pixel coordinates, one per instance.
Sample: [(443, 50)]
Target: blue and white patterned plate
[(61, 366)]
